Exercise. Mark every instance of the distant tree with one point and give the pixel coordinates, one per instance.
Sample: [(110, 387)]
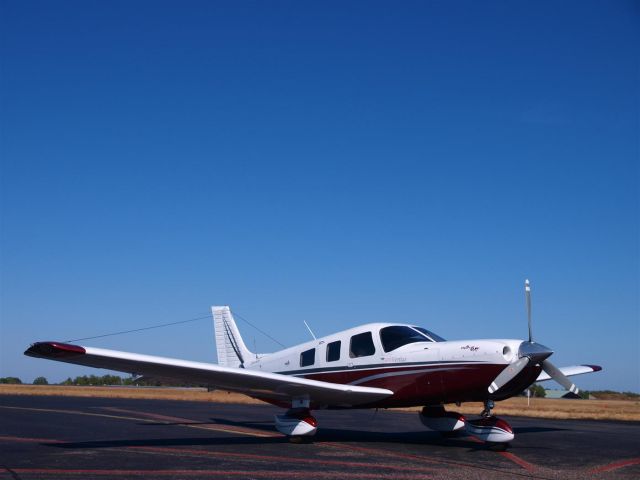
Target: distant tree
[(11, 380), (94, 380), (537, 391), (111, 380), (613, 395), (40, 381)]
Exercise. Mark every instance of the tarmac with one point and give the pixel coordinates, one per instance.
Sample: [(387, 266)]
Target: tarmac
[(99, 438)]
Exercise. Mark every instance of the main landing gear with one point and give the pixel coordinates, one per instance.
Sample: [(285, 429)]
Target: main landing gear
[(297, 423), (487, 428), (437, 418)]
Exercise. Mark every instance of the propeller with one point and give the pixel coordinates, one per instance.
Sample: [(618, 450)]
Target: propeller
[(555, 373), (527, 297), (531, 352), (508, 373)]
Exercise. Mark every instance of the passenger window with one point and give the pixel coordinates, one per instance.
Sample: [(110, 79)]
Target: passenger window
[(362, 345), (308, 357), (333, 351)]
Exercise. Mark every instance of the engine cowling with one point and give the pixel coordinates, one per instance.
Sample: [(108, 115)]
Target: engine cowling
[(438, 419)]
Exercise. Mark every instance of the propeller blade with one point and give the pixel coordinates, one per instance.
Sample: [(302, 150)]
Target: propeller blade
[(508, 374), (527, 295), (559, 377)]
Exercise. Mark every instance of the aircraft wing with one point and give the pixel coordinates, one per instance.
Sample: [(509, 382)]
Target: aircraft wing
[(571, 371), (251, 382)]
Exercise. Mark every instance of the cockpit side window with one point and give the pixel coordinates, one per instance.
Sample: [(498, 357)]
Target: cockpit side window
[(362, 345), (398, 336)]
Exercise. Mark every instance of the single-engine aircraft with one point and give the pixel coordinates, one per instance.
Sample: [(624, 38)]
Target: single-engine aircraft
[(377, 365)]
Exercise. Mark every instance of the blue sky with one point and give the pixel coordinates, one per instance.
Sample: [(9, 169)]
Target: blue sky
[(333, 163)]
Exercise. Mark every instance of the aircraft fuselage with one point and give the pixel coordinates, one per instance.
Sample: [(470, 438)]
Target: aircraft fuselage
[(419, 373)]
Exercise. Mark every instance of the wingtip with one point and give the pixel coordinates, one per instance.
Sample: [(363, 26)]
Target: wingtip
[(595, 368), (53, 350)]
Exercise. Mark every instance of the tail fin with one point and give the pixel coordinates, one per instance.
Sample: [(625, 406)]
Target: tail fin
[(232, 352)]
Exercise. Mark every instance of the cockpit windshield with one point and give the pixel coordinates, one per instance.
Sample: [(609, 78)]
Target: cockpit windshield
[(399, 335), (430, 334)]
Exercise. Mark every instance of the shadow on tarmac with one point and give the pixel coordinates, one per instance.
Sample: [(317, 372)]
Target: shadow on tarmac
[(362, 438)]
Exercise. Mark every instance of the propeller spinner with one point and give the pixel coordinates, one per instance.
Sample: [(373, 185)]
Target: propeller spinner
[(531, 352)]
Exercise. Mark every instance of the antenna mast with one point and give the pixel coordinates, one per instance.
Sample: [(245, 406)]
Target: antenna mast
[(309, 328)]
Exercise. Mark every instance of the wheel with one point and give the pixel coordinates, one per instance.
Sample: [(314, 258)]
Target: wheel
[(499, 446), (300, 439)]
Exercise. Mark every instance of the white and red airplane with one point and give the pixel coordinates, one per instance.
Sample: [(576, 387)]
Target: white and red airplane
[(377, 365)]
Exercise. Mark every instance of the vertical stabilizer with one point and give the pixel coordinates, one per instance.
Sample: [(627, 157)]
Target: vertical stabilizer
[(232, 352)]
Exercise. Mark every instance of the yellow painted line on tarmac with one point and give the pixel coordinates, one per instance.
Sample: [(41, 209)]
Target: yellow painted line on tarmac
[(140, 419), (186, 422), (75, 412)]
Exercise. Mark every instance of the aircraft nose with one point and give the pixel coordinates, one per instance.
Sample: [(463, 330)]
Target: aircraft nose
[(534, 351)]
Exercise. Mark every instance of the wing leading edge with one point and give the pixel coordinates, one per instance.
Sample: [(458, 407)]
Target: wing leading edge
[(251, 382), (571, 371)]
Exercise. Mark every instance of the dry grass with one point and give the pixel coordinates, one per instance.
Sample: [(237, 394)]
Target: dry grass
[(558, 408), (186, 394), (540, 407)]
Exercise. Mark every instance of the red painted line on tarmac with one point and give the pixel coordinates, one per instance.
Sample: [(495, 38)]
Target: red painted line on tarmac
[(519, 461), (281, 459), (240, 456), (615, 466), (423, 458), (211, 473), (511, 456), (246, 456), (387, 453), (27, 439)]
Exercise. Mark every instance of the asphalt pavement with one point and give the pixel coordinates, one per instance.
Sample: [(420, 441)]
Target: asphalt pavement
[(100, 438)]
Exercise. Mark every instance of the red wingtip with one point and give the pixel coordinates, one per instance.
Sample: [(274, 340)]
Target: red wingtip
[(54, 350), (596, 368)]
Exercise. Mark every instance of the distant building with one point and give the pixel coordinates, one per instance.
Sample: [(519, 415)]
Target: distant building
[(559, 394)]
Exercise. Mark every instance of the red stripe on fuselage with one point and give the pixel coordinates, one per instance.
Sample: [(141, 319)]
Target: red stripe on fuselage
[(421, 384)]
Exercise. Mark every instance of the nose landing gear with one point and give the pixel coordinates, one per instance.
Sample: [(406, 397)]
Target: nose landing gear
[(489, 428), (488, 406)]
